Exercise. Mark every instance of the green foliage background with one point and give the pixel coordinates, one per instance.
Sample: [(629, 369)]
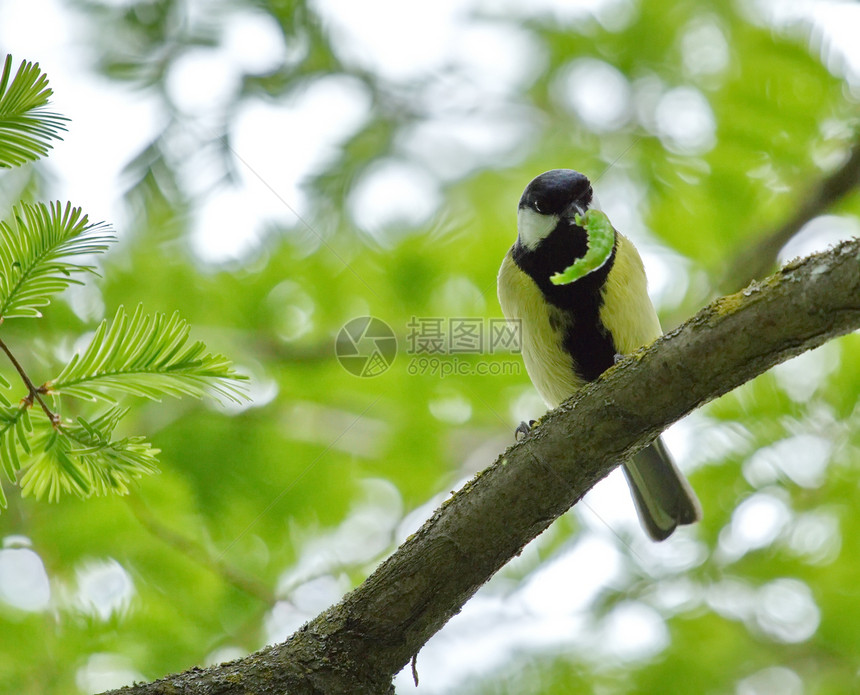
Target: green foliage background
[(230, 524)]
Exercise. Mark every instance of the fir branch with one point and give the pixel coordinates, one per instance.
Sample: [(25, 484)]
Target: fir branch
[(82, 459), (149, 356), (33, 249), (141, 355), (26, 128)]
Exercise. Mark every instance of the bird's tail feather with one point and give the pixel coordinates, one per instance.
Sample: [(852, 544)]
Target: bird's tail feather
[(663, 497)]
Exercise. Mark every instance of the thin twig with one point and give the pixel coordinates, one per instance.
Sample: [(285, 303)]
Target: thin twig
[(33, 391), (193, 551), (759, 258)]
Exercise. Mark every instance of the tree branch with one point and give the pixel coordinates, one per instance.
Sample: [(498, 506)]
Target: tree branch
[(759, 258), (359, 644)]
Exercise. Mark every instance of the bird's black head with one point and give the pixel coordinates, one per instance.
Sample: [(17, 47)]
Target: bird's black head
[(550, 200), (557, 190), (549, 240)]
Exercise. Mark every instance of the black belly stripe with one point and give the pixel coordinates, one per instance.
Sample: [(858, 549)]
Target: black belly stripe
[(590, 345)]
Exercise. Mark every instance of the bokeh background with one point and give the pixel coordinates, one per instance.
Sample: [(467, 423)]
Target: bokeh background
[(276, 168)]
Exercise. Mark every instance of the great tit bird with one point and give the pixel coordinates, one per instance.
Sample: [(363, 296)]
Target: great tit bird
[(571, 333)]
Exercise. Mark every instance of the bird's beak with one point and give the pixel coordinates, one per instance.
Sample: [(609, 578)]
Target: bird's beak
[(572, 210)]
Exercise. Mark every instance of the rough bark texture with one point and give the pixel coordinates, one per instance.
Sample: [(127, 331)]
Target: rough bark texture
[(358, 645)]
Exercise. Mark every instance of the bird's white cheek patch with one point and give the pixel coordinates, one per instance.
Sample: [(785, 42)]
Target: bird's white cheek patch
[(533, 227)]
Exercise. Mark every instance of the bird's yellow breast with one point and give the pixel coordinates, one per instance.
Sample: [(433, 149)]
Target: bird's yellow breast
[(626, 312), (541, 327)]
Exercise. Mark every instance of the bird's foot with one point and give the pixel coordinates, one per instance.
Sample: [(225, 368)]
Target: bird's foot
[(523, 429), (617, 358)]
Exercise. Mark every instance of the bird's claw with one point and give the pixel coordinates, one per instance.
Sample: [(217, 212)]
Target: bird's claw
[(523, 429)]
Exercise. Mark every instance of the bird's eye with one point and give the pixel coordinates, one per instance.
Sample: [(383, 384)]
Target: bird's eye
[(537, 207)]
